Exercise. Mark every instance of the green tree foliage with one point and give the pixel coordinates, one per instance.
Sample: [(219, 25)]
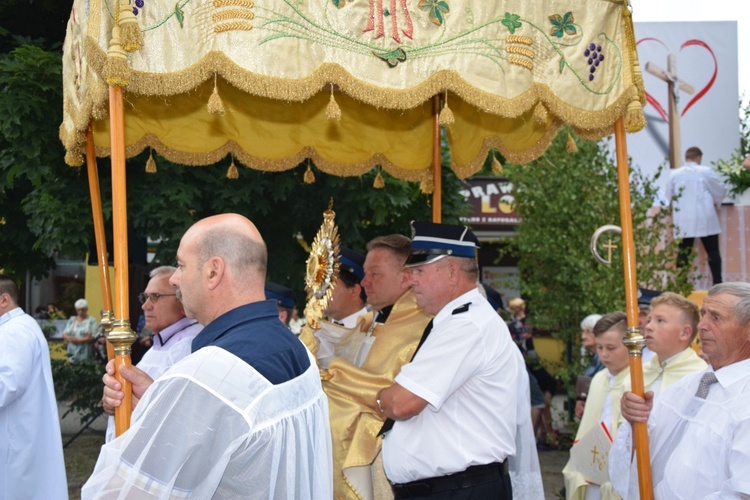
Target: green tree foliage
[(80, 384), (31, 156), (562, 199)]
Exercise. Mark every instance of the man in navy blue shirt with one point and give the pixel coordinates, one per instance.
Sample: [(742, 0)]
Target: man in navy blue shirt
[(244, 414)]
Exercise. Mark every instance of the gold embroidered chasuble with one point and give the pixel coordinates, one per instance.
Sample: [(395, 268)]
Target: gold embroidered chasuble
[(354, 415)]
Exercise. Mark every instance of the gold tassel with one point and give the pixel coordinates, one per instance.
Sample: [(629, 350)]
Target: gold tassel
[(446, 118), (215, 104), (333, 111), (116, 69), (541, 115), (379, 182), (427, 186), (497, 167), (150, 163), (634, 119), (131, 35), (232, 173), (309, 176), (74, 158), (570, 145)]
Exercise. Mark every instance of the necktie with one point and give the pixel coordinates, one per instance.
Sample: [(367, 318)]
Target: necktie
[(707, 379), (388, 424)]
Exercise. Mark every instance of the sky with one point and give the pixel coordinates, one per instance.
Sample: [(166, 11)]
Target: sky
[(704, 10)]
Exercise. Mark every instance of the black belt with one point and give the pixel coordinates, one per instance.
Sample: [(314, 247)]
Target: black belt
[(474, 475)]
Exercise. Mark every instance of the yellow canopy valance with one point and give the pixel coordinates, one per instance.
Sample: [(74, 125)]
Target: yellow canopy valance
[(511, 73)]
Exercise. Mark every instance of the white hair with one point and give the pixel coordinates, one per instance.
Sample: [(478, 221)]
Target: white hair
[(590, 320)]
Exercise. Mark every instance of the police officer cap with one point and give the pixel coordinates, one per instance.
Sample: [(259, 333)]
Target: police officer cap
[(645, 295), (431, 242), (282, 295), (352, 262)]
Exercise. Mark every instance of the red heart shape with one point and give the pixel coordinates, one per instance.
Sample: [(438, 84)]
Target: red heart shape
[(690, 43)]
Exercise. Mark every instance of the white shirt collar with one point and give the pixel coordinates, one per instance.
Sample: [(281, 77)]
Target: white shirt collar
[(730, 374), (11, 314)]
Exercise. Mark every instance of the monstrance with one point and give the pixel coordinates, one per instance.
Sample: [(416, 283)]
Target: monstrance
[(322, 268)]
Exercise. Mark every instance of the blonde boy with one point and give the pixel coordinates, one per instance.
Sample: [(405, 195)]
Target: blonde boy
[(671, 327)]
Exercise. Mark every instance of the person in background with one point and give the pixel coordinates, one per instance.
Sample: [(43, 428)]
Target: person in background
[(542, 416), (603, 402), (79, 333), (517, 323), (645, 296), (594, 366), (173, 333), (296, 323), (347, 304), (694, 214), (31, 454), (285, 299), (349, 299)]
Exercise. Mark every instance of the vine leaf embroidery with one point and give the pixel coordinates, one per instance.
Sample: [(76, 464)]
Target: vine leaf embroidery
[(393, 57), (511, 22), (562, 25), (437, 10), (179, 14)]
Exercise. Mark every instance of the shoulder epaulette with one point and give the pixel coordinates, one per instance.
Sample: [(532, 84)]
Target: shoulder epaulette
[(461, 309)]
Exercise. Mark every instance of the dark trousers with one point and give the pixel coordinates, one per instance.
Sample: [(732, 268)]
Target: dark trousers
[(497, 488), (711, 245)]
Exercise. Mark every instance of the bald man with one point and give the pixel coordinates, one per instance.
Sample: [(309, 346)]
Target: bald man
[(244, 415)]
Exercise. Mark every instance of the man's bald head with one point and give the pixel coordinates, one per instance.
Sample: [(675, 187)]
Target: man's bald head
[(234, 238), (222, 264)]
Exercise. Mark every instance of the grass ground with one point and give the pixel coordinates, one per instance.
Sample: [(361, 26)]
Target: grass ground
[(80, 458)]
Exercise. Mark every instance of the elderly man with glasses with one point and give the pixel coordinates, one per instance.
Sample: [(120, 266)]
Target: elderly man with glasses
[(173, 332)]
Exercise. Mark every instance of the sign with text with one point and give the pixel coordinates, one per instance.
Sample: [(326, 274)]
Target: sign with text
[(504, 279), (492, 201)]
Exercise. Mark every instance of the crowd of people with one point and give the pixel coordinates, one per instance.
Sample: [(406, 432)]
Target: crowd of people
[(413, 386)]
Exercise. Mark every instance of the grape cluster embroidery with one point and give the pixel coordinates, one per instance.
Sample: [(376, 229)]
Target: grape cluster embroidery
[(594, 56)]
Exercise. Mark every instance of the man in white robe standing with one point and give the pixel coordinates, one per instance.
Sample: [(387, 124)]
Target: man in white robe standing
[(699, 427), (31, 456), (694, 213), (244, 415)]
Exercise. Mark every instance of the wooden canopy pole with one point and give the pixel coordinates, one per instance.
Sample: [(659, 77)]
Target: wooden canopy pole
[(437, 200), (634, 339), (101, 245), (122, 336)]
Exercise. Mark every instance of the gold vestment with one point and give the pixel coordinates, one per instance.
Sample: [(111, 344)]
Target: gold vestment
[(354, 415)]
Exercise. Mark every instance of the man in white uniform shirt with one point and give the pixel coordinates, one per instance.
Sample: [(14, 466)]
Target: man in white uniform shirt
[(31, 455), (694, 213), (699, 427), (452, 419), (173, 332)]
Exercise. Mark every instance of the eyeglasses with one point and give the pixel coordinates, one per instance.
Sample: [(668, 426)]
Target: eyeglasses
[(143, 297)]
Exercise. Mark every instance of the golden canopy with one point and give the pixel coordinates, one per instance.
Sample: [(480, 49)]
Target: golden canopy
[(511, 72)]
